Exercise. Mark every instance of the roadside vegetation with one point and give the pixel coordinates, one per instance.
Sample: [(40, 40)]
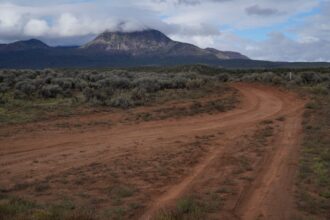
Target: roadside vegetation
[(314, 174), (192, 208), (31, 95), (20, 209), (27, 95)]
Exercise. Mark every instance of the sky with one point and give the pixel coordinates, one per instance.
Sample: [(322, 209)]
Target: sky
[(277, 30)]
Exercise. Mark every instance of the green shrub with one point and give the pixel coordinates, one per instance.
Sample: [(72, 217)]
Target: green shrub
[(310, 77), (26, 87), (51, 91), (122, 100)]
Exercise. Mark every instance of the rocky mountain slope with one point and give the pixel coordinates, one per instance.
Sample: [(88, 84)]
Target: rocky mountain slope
[(151, 42)]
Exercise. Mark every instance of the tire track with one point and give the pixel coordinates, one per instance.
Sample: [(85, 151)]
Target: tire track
[(267, 103)]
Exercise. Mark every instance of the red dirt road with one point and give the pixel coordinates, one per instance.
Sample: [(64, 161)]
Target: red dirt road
[(268, 196)]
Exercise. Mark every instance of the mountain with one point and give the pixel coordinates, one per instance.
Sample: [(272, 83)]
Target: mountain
[(152, 43), (135, 43), (127, 49), (32, 44)]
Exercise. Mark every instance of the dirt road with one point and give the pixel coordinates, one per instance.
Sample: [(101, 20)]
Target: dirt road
[(139, 153)]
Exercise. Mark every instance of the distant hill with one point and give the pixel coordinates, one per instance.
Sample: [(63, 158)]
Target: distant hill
[(127, 49), (23, 45)]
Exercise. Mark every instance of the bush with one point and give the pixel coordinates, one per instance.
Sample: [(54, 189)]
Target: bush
[(310, 78), (266, 77), (81, 84), (178, 83), (195, 83), (64, 83), (224, 77), (9, 80), (88, 94), (277, 80), (250, 77), (4, 87), (122, 100), (147, 85), (100, 96), (50, 91), (139, 94), (25, 87)]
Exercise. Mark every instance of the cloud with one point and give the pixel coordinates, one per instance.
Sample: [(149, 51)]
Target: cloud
[(287, 49), (188, 2), (36, 28), (10, 20), (317, 27), (276, 47), (257, 10)]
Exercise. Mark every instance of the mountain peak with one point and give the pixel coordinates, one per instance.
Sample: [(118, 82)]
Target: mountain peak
[(150, 34), (134, 42)]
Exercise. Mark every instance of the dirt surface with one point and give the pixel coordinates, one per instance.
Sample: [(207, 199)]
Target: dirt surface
[(251, 151)]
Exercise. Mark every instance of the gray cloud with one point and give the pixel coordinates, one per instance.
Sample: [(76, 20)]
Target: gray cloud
[(257, 10), (189, 2), (278, 47)]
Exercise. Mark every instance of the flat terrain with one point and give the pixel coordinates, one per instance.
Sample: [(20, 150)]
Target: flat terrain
[(240, 163)]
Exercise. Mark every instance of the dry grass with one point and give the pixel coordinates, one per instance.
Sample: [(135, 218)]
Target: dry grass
[(313, 195)]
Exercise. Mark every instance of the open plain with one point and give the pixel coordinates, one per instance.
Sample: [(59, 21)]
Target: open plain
[(238, 164)]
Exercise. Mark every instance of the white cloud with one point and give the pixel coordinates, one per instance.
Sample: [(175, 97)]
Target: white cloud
[(36, 28), (201, 41), (10, 21), (68, 25)]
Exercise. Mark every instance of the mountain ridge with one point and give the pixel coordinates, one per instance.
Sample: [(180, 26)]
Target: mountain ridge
[(128, 49), (146, 43)]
